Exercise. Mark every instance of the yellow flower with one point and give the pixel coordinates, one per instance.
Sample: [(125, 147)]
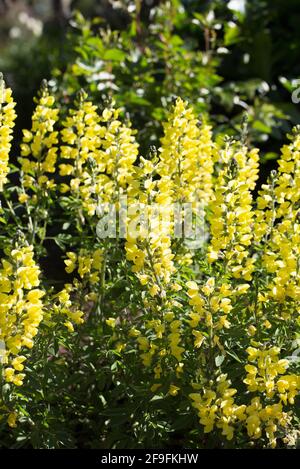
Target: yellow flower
[(17, 363), (23, 198), (231, 210), (69, 326), (252, 330), (186, 156), (70, 262), (199, 338), (111, 322), (173, 390), (155, 387)]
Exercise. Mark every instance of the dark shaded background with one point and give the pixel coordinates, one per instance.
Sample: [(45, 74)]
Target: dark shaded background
[(255, 45)]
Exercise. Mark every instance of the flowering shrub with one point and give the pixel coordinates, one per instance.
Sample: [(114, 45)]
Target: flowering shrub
[(177, 317)]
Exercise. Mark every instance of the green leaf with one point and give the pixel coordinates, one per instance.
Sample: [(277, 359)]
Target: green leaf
[(114, 54), (261, 127)]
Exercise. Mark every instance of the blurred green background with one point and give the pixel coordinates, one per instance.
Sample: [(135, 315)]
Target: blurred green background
[(228, 58)]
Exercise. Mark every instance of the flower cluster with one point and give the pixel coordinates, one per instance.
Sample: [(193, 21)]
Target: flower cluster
[(98, 154), (7, 118), (86, 263), (231, 210), (39, 149), (186, 156), (21, 309), (278, 225)]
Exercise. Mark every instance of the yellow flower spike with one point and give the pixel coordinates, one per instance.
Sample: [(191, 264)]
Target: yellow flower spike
[(195, 319), (39, 147), (231, 210), (134, 332), (69, 326), (111, 322), (7, 122), (209, 286)]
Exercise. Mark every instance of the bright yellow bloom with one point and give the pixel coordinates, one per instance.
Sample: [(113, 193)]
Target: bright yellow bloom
[(186, 162), (21, 309), (231, 210), (39, 147), (7, 118)]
